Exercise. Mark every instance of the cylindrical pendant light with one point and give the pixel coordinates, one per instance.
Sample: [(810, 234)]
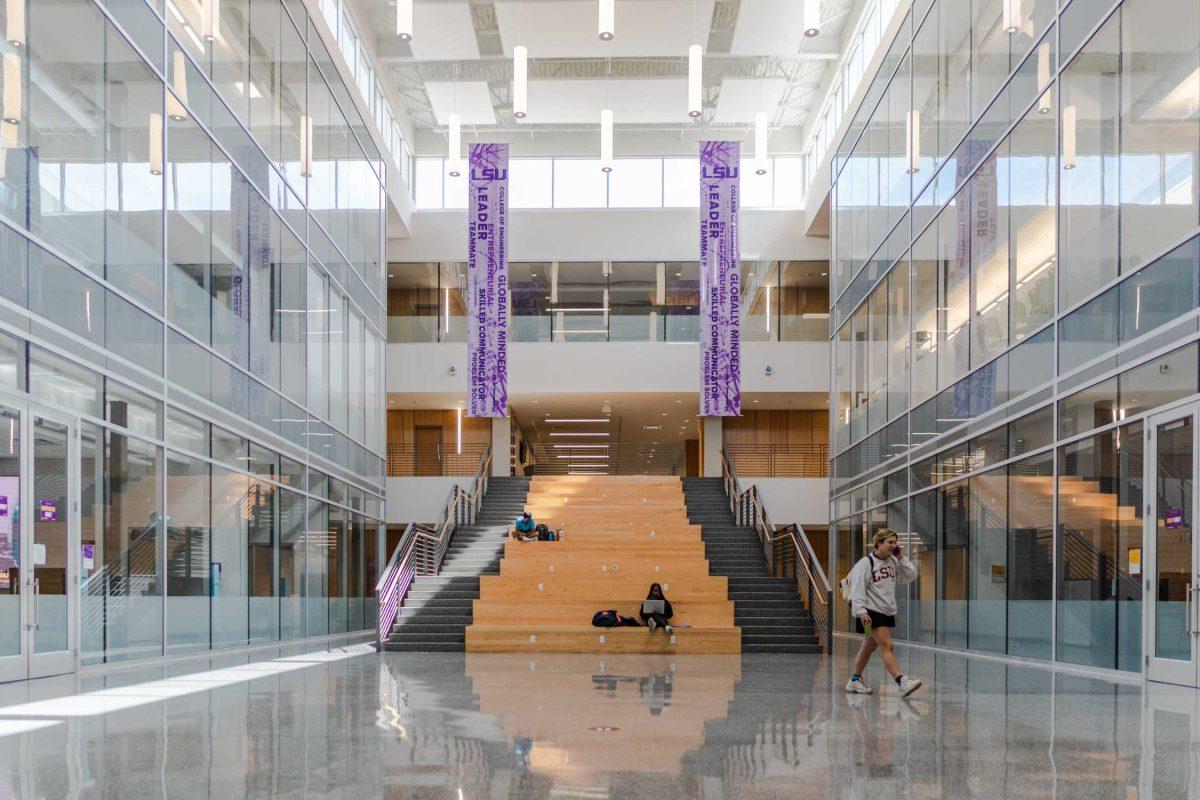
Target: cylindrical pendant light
[(175, 109), (812, 17), (607, 19), (606, 140), (912, 141), (15, 22), (156, 143), (454, 142), (404, 20), (520, 87), (1068, 134), (12, 88), (760, 143), (306, 150), (695, 80), (1012, 16), (1043, 77)]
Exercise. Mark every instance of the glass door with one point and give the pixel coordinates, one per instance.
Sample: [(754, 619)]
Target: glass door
[(1171, 577), (39, 543)]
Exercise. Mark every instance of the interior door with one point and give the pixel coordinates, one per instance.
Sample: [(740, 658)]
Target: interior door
[(39, 543), (1172, 579), (427, 454), (54, 552)]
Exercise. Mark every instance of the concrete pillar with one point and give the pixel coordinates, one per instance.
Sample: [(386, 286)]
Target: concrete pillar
[(501, 446), (712, 436)]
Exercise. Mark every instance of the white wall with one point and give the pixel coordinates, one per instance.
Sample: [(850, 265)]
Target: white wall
[(418, 499), (801, 500), (608, 234), (589, 367)]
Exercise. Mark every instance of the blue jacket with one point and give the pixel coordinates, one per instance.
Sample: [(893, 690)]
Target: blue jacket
[(525, 525)]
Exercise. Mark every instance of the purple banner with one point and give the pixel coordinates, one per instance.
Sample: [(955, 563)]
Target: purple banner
[(720, 281), (487, 281)]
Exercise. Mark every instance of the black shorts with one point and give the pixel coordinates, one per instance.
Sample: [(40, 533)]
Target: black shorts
[(877, 621)]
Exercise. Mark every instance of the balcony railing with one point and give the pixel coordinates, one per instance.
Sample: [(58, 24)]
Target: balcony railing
[(586, 325), (779, 460), (614, 459), (408, 460)]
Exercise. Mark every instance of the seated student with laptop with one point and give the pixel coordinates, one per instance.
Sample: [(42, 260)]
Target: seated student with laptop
[(524, 529), (656, 609)]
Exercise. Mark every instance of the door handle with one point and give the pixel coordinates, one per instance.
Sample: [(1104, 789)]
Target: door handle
[(37, 596), (1190, 620)]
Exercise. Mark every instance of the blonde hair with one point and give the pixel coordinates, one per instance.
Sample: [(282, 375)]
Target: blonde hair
[(881, 536)]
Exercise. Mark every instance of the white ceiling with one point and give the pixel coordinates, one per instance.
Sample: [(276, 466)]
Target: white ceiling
[(742, 98), (580, 101), (446, 32), (470, 99), (568, 28), (756, 58), (770, 28)]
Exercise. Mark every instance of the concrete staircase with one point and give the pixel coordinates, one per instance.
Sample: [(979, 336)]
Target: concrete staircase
[(768, 610), (437, 610)]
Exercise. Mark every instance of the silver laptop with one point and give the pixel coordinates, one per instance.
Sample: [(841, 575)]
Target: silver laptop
[(654, 607)]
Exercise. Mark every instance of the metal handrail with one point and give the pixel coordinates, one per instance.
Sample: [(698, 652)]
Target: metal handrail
[(780, 460), (421, 548), (749, 510)]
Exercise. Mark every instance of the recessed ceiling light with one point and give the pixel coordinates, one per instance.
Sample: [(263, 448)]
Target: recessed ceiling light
[(664, 413), (679, 402)]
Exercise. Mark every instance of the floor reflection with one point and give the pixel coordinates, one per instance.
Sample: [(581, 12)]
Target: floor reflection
[(493, 726)]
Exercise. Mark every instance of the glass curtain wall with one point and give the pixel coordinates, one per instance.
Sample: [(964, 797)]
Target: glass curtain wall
[(1010, 307), (191, 214), (616, 301)]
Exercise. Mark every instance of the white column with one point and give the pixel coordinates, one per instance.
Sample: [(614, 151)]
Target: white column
[(501, 446), (712, 447)]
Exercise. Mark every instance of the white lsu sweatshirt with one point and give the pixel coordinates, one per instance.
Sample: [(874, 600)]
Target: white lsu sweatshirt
[(873, 583)]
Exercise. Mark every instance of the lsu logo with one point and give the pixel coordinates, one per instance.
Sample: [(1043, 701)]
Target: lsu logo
[(719, 171), (489, 174)]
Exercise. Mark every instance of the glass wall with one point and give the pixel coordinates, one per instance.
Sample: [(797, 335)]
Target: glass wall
[(632, 183), (1002, 324), (191, 216), (614, 301)]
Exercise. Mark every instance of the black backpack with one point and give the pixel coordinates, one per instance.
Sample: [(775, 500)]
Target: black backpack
[(606, 619)]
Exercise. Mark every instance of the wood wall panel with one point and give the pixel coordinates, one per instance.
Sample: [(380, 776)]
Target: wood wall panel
[(402, 423), (778, 426)]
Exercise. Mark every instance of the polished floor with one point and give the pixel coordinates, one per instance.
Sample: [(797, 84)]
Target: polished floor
[(348, 723)]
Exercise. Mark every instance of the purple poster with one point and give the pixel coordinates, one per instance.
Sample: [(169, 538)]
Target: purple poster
[(720, 281), (1174, 518), (48, 511), (487, 281)]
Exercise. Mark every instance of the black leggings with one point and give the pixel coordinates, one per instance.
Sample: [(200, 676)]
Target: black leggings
[(659, 619)]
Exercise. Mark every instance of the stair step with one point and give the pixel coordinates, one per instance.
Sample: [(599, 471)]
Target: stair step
[(759, 647), (405, 646)]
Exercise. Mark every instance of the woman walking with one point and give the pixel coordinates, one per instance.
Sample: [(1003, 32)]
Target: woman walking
[(872, 583)]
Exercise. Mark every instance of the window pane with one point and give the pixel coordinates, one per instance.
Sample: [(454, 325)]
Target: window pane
[(428, 189), (530, 182), (1160, 127), (681, 182), (1088, 177), (1030, 548), (1099, 590), (756, 189), (635, 183), (580, 183)]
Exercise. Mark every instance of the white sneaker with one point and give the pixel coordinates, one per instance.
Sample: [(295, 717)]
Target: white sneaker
[(651, 624), (669, 629), (858, 687), (909, 685)]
